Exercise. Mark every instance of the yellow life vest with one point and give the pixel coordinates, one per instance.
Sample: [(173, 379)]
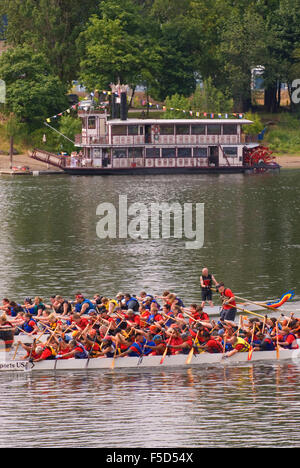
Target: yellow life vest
[(241, 341)]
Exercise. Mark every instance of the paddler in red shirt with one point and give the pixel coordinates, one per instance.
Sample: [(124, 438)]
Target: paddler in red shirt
[(81, 322), (228, 311)]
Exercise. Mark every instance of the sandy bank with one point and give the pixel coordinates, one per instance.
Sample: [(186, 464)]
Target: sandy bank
[(23, 160), (289, 161)]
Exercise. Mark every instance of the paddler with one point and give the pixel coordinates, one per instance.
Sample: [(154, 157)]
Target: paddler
[(6, 332), (238, 344), (287, 339), (228, 311)]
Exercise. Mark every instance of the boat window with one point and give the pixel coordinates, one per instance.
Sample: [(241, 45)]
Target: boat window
[(182, 129), (198, 129), (135, 152), (120, 153), (133, 130), (184, 152), (167, 129), (152, 153), (200, 152), (214, 129), (119, 130), (229, 129), (231, 151), (92, 123), (169, 153)]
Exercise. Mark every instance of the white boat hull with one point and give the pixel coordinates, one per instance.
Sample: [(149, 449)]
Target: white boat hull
[(147, 362)]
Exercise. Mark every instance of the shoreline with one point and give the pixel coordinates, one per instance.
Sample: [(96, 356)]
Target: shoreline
[(24, 164), (287, 161)]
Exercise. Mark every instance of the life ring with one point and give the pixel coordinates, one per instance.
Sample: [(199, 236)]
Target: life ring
[(156, 129)]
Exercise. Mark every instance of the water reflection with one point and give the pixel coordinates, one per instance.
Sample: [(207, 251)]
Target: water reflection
[(48, 238), (187, 408), (48, 245)]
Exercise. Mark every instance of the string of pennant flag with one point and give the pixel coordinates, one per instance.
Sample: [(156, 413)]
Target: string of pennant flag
[(210, 115), (192, 113)]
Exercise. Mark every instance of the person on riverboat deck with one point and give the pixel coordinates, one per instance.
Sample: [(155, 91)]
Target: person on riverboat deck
[(228, 311), (206, 282)]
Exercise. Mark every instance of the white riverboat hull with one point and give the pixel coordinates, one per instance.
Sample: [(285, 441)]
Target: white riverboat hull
[(148, 362)]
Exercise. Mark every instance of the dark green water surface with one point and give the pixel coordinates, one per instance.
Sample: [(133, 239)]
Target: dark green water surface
[(48, 245)]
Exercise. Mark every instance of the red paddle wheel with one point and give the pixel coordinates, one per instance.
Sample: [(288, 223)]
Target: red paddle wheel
[(258, 156)]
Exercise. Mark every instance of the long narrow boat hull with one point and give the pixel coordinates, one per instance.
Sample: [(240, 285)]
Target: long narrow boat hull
[(148, 362)]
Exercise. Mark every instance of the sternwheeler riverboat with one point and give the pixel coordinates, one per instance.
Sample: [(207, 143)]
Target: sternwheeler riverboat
[(113, 144)]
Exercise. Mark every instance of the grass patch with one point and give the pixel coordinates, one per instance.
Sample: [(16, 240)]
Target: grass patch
[(283, 135)]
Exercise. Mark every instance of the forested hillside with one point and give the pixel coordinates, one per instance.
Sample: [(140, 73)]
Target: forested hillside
[(168, 46)]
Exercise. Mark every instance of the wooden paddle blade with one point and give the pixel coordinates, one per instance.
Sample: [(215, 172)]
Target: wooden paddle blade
[(190, 356), (163, 356), (113, 364), (277, 352), (250, 354)]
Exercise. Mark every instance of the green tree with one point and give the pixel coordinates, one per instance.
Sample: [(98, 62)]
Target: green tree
[(51, 27), (208, 98), (117, 46), (243, 47), (32, 92), (69, 127), (177, 107)]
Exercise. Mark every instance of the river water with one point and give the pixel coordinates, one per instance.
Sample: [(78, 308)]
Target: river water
[(49, 245)]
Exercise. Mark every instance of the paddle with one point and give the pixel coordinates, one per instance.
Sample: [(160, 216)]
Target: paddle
[(253, 302), (249, 312), (105, 336), (251, 345), (166, 350), (191, 353), (17, 347), (277, 341), (265, 306), (115, 354)]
